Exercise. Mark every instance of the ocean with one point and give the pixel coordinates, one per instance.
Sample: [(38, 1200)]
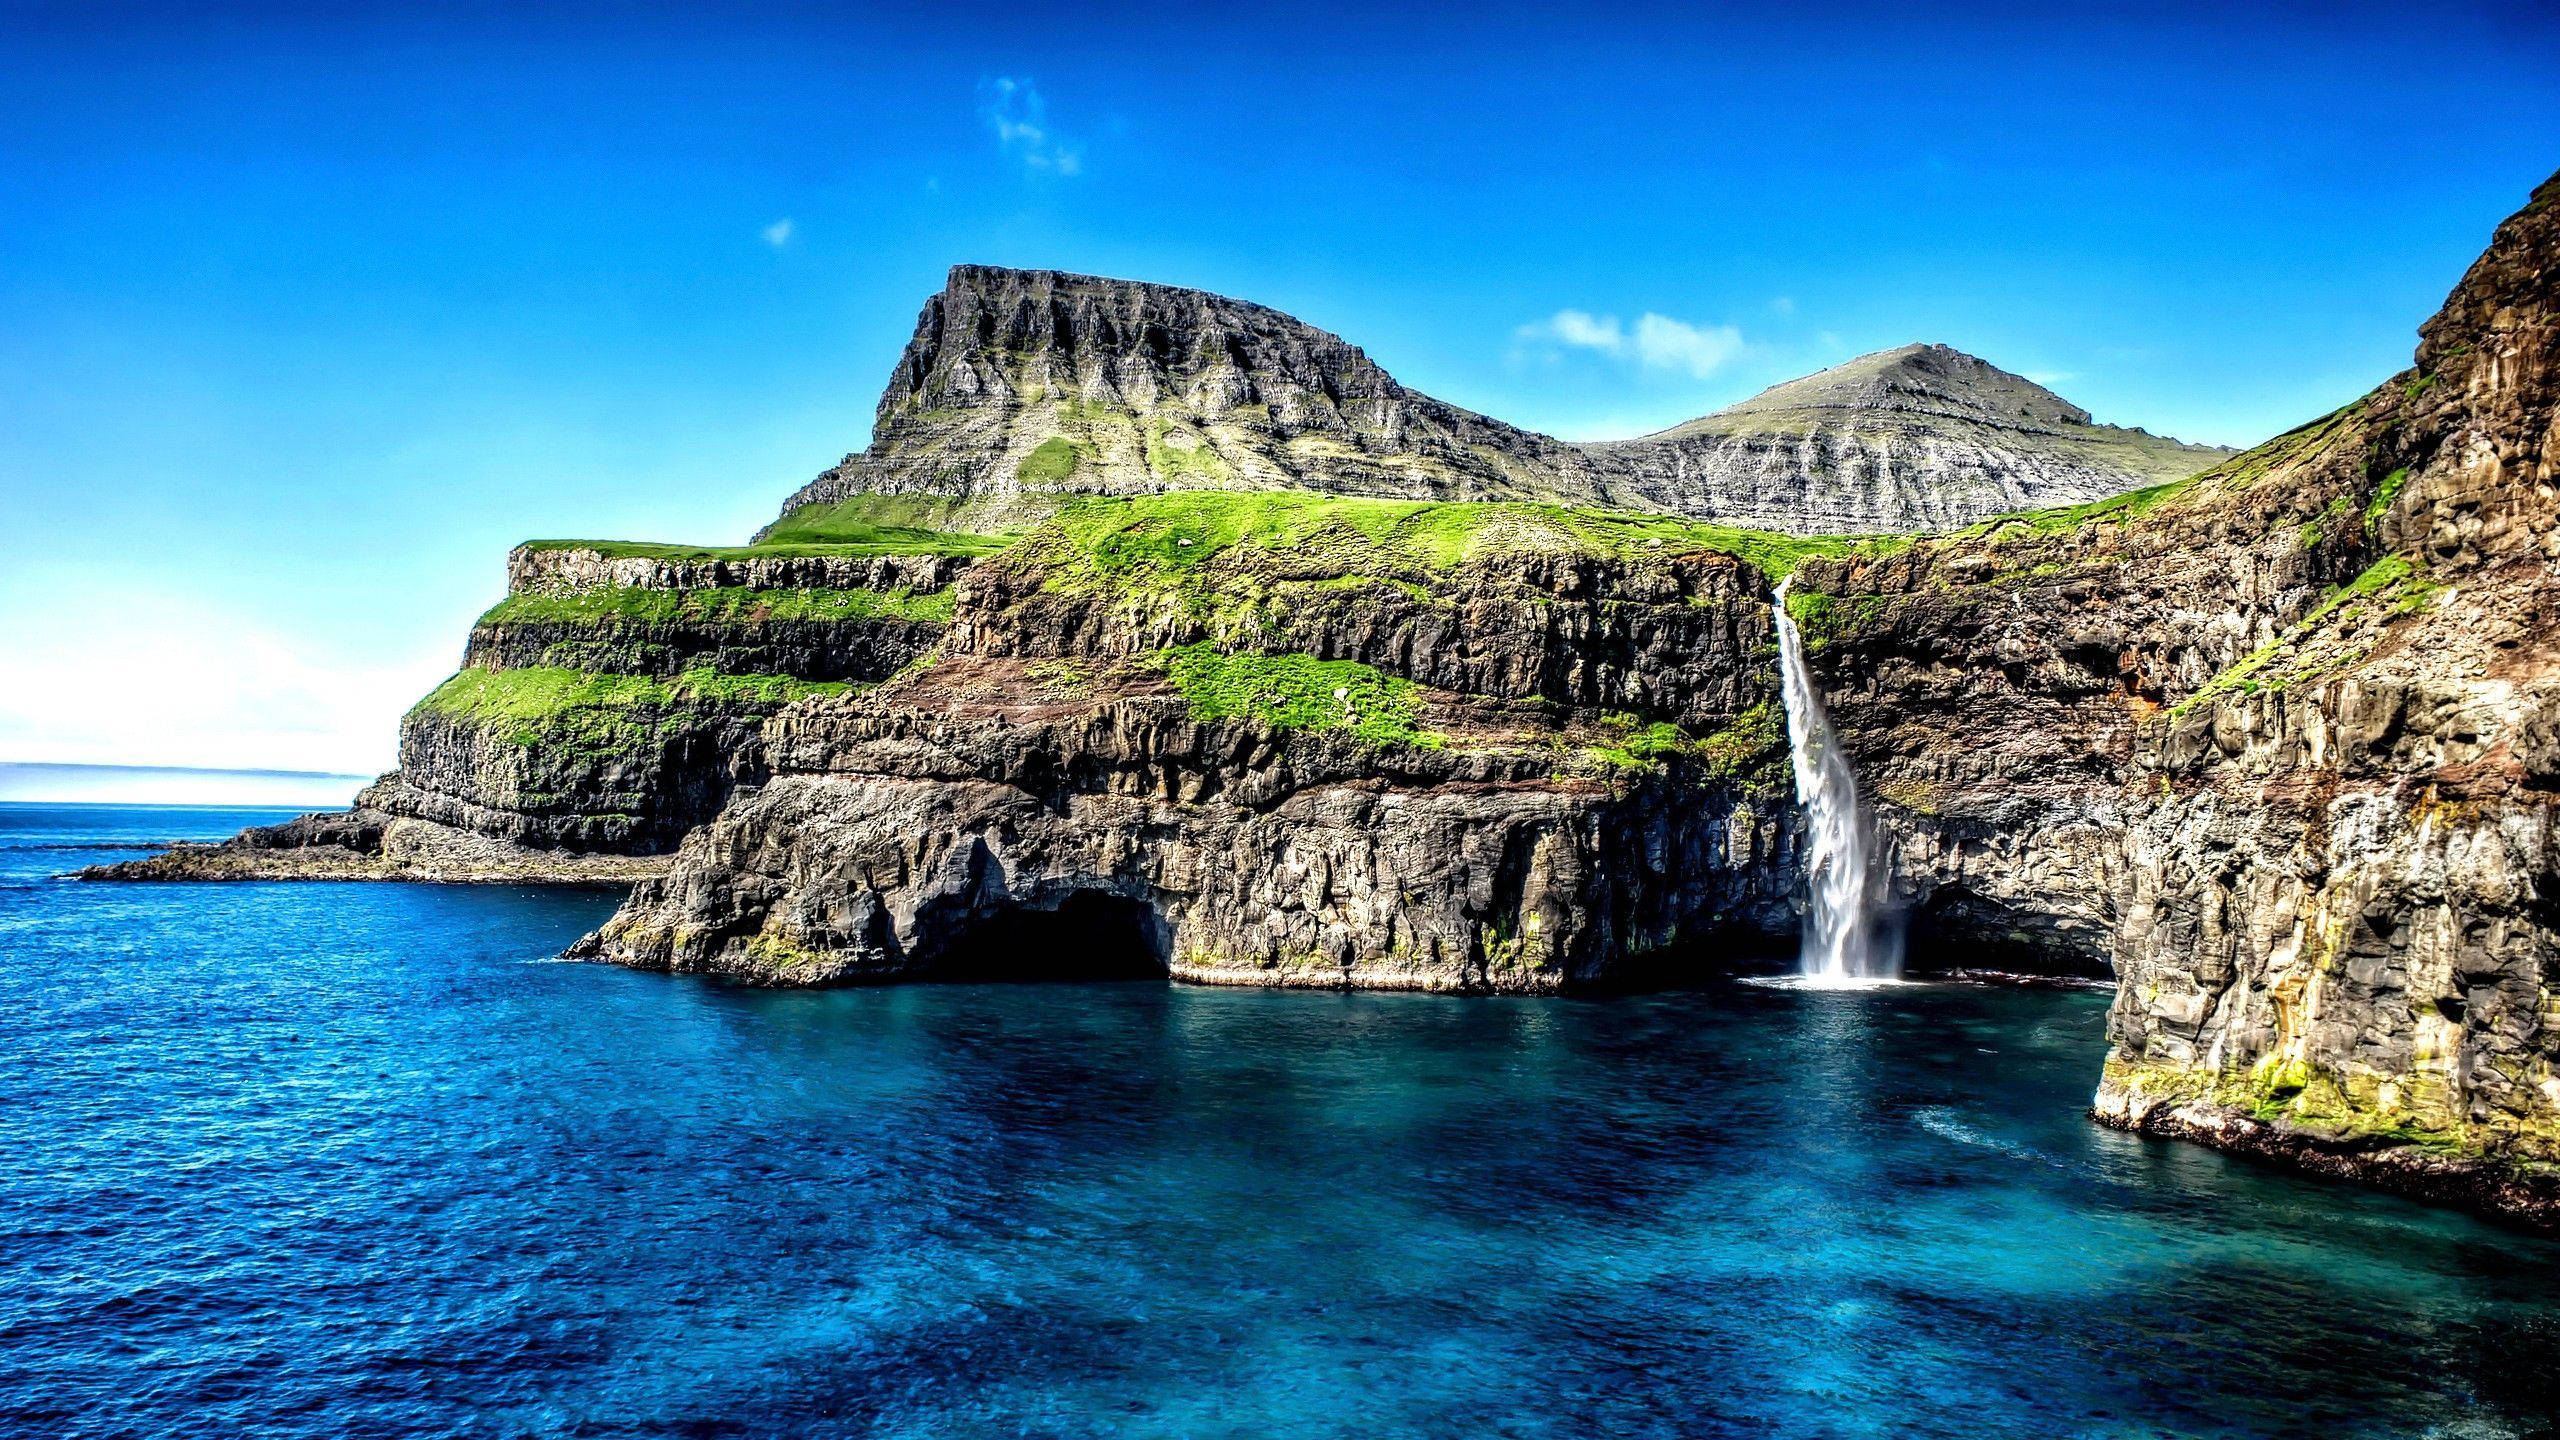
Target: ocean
[(365, 1160)]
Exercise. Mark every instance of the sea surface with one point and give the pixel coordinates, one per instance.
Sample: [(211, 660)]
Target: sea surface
[(362, 1160)]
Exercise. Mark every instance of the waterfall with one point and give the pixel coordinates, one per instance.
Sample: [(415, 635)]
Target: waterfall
[(1850, 935)]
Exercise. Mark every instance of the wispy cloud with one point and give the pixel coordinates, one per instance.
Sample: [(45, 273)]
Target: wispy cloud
[(778, 234), (1019, 118), (1656, 342)]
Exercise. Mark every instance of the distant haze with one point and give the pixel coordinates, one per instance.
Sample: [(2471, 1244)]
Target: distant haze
[(171, 785)]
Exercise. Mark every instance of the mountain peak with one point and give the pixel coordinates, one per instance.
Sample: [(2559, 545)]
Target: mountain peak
[(1918, 379)]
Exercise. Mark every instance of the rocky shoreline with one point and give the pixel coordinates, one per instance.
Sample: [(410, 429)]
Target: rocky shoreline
[(370, 845)]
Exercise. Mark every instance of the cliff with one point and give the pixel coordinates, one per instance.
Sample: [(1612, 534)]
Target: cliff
[(1021, 386), (2276, 746), (1276, 673), (611, 703), (1292, 740)]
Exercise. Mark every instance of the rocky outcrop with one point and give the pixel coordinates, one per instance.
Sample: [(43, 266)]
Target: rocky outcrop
[(1021, 386), (368, 844), (2276, 744), (1583, 778), (569, 568)]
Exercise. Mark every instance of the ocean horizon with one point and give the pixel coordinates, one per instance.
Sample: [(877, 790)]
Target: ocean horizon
[(46, 782)]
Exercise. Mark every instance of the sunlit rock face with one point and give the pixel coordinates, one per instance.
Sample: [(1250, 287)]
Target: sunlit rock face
[(2277, 745), (1024, 385)]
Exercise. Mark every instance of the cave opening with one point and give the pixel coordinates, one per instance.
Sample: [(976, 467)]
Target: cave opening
[(1089, 935), (1955, 932)]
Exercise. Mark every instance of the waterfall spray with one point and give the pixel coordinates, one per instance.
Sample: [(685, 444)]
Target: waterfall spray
[(1849, 934)]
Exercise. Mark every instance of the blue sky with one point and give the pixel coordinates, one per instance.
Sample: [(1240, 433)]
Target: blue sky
[(305, 316)]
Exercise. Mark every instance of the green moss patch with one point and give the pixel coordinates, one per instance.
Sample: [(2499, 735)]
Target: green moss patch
[(1297, 692), (2383, 495), (1051, 464)]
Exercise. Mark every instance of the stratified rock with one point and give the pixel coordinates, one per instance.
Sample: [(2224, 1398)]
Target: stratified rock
[(2278, 745), (1919, 438), (1024, 385)]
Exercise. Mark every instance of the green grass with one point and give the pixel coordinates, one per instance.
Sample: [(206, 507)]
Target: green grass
[(1172, 464), (1752, 747), (1297, 692), (721, 606), (1749, 749), (1178, 531), (2383, 495), (1050, 464), (587, 712), (1820, 618)]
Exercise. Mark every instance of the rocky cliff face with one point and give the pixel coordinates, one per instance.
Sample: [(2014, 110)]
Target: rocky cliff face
[(1021, 386), (1290, 741), (2276, 745)]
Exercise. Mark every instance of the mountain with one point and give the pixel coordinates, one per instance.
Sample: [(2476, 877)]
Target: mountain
[(1021, 385), (1920, 438)]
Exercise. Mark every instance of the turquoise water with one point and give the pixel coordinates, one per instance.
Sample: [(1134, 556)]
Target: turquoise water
[(357, 1161)]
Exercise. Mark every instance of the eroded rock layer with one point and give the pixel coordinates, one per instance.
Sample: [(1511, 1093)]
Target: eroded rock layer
[(1304, 742), (1021, 386), (2279, 745)]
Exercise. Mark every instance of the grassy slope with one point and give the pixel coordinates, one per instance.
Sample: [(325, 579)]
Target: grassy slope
[(1162, 537), (1297, 692), (584, 710)]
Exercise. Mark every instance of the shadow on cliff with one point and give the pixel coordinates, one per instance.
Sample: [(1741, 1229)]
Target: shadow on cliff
[(1090, 935)]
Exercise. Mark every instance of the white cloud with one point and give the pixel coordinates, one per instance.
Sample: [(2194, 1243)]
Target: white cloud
[(1667, 344), (1656, 342), (1014, 110), (1784, 305), (778, 234)]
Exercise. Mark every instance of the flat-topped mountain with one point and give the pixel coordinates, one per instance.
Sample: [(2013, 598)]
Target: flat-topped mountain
[(1021, 385)]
